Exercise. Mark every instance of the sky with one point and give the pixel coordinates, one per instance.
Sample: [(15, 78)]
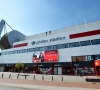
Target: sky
[(37, 16)]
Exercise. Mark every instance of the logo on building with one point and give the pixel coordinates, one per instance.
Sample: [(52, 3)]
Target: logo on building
[(96, 63), (48, 40), (33, 42)]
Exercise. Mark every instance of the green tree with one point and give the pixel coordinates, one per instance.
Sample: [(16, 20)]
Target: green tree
[(19, 66)]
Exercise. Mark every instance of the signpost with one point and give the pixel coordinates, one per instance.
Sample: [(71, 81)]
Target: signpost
[(76, 65)]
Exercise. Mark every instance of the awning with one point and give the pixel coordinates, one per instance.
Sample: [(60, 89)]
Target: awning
[(97, 62)]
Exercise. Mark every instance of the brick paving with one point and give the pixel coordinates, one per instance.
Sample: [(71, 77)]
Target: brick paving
[(50, 83)]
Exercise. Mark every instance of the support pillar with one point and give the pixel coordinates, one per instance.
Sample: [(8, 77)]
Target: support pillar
[(5, 68), (72, 72), (52, 68), (13, 68), (36, 70)]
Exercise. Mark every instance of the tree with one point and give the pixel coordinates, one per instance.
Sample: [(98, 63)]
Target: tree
[(19, 66)]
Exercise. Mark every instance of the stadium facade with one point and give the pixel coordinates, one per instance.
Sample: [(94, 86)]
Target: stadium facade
[(57, 52)]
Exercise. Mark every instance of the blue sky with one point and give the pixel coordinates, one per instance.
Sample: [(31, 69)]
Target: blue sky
[(36, 16)]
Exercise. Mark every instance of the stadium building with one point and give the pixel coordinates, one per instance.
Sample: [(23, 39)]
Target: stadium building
[(57, 52)]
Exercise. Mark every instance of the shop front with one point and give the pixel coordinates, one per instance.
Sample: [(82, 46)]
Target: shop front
[(97, 67), (9, 67), (31, 68), (62, 68), (45, 68), (83, 65)]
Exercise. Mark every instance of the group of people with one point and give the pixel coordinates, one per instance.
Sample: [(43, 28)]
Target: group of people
[(39, 58)]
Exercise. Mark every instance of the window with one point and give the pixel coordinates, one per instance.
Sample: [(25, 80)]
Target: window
[(77, 44), (63, 45), (41, 48), (74, 44), (49, 47), (37, 49), (85, 43), (34, 49), (18, 51), (30, 50), (70, 45), (56, 46), (82, 43), (94, 42), (67, 45), (98, 41), (15, 51)]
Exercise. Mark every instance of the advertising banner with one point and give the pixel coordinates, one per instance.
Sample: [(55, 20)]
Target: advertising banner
[(45, 56), (47, 70)]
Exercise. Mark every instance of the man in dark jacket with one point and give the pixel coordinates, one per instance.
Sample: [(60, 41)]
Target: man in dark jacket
[(41, 57)]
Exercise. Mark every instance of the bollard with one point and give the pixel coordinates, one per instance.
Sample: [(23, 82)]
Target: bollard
[(18, 76), (2, 75), (62, 78), (34, 77), (42, 77), (25, 76), (52, 78), (10, 76)]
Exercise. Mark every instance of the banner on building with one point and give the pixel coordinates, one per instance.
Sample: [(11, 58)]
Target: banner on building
[(45, 56)]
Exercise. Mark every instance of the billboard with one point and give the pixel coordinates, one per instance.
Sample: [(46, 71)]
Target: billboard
[(45, 56)]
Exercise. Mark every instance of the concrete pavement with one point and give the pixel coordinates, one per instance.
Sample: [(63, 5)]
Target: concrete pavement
[(14, 88), (49, 85)]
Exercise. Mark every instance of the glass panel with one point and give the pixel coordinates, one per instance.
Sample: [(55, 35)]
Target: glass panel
[(93, 42), (59, 70), (88, 42), (98, 41), (1, 69), (37, 49), (63, 45), (82, 43), (58, 46), (55, 71), (30, 50), (77, 44), (70, 45), (49, 47), (67, 45), (54, 46)]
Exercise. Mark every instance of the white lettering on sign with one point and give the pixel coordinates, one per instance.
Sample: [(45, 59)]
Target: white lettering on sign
[(48, 40), (88, 58)]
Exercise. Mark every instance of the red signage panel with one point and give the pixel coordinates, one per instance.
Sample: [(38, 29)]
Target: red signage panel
[(51, 56)]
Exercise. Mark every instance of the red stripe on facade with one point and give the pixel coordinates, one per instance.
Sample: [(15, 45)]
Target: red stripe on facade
[(20, 45), (84, 34)]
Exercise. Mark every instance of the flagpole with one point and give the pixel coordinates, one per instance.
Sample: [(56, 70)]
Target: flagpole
[(76, 25), (85, 23), (68, 26)]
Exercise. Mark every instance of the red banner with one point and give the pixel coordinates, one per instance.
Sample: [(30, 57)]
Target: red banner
[(45, 56), (51, 56)]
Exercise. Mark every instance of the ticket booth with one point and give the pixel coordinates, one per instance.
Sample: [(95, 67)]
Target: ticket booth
[(97, 67)]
